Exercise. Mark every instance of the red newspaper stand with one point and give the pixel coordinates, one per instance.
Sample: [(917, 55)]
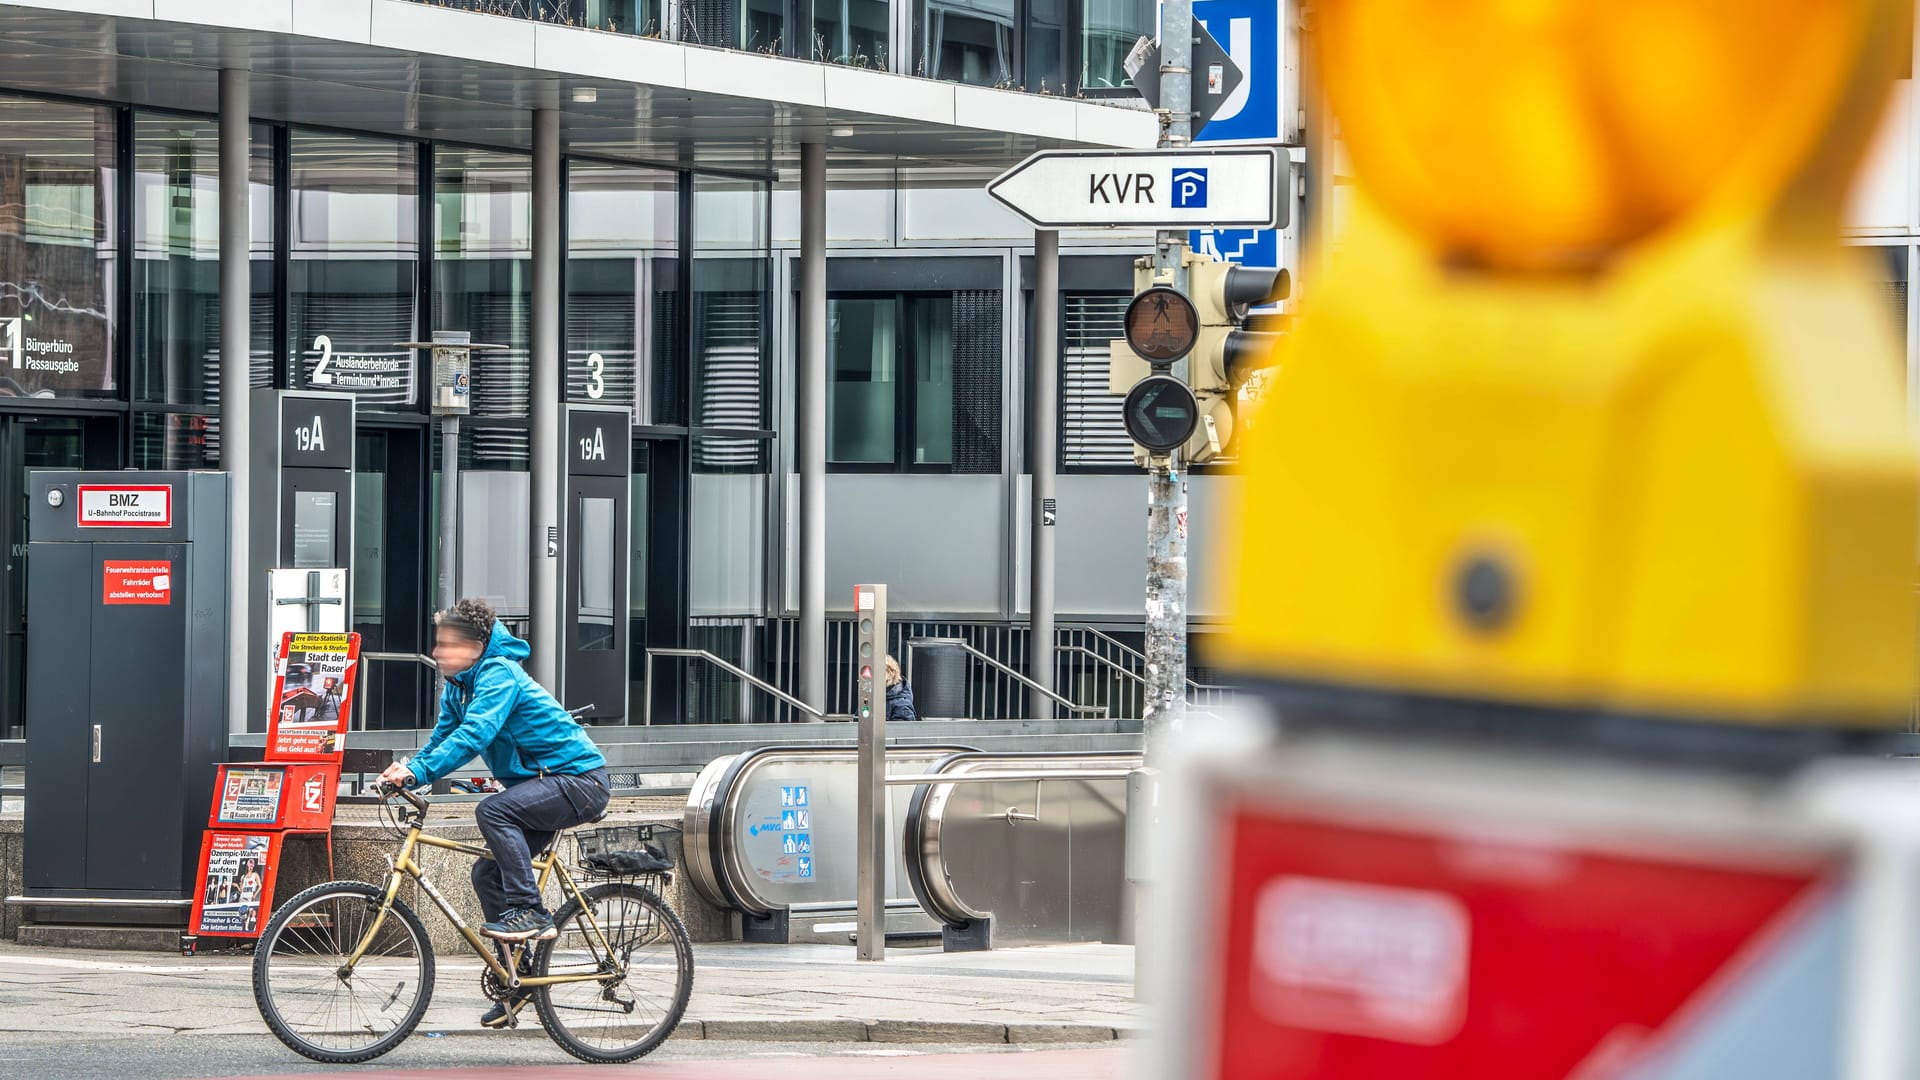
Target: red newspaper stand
[(258, 804)]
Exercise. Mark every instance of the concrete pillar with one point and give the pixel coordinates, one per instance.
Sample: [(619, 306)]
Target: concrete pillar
[(1044, 421), (544, 454), (247, 659), (811, 424)]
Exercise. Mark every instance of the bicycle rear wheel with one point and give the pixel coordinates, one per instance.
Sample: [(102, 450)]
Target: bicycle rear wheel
[(316, 1010), (622, 1016)]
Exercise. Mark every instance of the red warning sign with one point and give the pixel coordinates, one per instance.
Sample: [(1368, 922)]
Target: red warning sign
[(1364, 950), (136, 581)]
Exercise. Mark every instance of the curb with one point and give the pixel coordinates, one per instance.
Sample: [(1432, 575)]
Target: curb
[(875, 1031)]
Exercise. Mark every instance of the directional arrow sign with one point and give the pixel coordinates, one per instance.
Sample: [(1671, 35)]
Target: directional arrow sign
[(1215, 76), (1164, 189)]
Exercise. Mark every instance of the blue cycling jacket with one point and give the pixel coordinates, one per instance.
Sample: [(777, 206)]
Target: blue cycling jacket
[(494, 710)]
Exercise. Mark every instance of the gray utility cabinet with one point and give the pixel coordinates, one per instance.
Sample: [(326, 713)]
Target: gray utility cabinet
[(126, 695)]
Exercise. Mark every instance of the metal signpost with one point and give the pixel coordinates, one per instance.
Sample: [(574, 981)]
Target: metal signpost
[(452, 399), (870, 799)]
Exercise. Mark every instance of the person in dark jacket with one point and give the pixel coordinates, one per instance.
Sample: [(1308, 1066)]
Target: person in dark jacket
[(555, 777), (899, 694)]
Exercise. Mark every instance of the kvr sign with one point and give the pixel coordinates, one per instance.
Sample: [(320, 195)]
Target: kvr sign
[(1176, 189)]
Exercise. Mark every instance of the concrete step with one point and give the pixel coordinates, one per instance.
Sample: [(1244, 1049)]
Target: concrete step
[(118, 938)]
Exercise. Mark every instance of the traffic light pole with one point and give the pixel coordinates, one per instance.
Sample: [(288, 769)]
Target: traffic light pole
[(1166, 626)]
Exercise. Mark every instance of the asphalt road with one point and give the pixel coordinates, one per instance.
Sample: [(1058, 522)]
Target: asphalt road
[(529, 1054)]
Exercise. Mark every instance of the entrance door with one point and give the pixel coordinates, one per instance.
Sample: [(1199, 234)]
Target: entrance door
[(35, 442), (391, 536)]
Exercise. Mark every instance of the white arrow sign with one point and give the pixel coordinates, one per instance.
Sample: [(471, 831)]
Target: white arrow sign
[(1168, 189)]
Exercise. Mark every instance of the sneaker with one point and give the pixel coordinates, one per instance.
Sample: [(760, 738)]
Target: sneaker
[(503, 1012), (521, 924)]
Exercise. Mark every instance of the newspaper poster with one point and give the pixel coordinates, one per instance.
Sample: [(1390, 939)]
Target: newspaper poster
[(236, 882), (314, 677), (250, 795)]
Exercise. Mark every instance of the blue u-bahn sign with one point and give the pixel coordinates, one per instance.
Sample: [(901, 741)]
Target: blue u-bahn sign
[(1253, 33)]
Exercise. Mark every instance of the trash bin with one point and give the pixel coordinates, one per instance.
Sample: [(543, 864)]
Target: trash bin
[(940, 681)]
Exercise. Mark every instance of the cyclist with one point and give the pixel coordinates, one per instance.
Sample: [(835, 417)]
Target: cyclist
[(555, 777)]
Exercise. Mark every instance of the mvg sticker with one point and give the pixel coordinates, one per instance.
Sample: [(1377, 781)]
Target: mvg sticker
[(147, 506), (1360, 959)]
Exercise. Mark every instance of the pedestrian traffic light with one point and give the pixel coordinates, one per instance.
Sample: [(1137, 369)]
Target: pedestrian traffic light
[(1227, 351)]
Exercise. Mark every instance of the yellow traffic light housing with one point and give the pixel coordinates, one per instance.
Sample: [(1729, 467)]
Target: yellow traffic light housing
[(1227, 351), (1591, 413)]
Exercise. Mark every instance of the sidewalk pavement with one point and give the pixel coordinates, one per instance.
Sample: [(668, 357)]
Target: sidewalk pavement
[(772, 993)]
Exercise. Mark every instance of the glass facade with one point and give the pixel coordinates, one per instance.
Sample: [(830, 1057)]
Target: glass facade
[(862, 347), (853, 32), (353, 269), (969, 41), (483, 270), (1108, 31), (176, 259), (915, 382), (623, 274), (731, 254), (57, 250)]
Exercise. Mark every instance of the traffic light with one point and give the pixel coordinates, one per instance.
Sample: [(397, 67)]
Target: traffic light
[(1206, 326), (1227, 351)]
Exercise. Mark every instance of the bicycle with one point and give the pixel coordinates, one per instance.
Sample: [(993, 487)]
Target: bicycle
[(325, 962)]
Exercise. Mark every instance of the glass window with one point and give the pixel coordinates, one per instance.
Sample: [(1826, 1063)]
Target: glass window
[(57, 179), (863, 343), (176, 259), (727, 557), (1108, 31), (1893, 287), (969, 41), (915, 381), (622, 280), (483, 268), (493, 517), (619, 16), (1046, 47), (354, 264), (853, 32), (173, 440), (763, 27), (730, 258), (596, 609)]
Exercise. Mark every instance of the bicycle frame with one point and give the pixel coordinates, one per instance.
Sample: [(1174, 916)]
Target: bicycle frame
[(548, 865)]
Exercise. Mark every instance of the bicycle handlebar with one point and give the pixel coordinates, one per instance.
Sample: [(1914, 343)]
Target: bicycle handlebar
[(387, 789)]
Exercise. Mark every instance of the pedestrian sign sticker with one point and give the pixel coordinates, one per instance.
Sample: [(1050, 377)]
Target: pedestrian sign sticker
[(779, 832)]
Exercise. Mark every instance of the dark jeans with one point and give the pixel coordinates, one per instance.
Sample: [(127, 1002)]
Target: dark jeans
[(522, 820)]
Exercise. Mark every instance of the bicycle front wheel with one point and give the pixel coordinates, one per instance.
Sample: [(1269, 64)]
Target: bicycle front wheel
[(637, 944), (304, 993)]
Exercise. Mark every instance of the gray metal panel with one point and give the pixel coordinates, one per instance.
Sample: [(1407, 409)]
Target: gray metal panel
[(268, 482), (748, 817), (57, 731), (1044, 859), (1103, 538), (209, 646), (48, 522), (137, 791), (927, 519), (151, 677)]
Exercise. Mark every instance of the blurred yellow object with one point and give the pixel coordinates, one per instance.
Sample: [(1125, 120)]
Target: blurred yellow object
[(1591, 410)]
